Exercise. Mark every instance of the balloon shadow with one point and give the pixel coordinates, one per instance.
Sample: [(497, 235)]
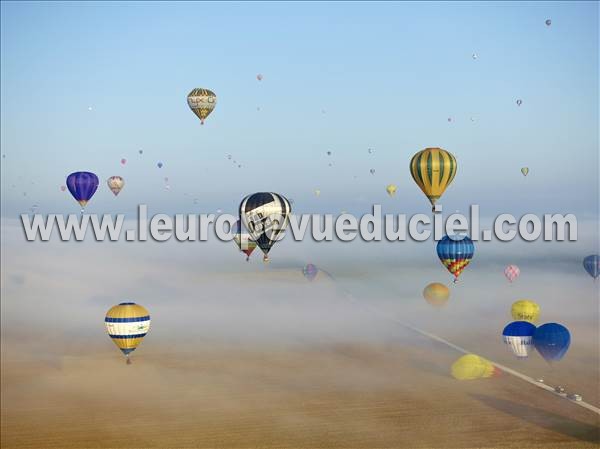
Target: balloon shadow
[(542, 418)]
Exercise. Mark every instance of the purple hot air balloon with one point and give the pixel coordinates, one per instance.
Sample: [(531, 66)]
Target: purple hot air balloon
[(310, 271), (82, 185)]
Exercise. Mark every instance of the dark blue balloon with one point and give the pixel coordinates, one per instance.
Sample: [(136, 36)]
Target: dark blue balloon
[(82, 185), (519, 329), (592, 265), (552, 341)]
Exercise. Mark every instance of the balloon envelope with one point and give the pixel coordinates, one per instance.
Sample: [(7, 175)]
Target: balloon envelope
[(127, 324), (471, 366), (512, 272), (310, 271), (455, 253), (265, 215), (525, 310), (518, 335), (436, 294), (391, 189), (115, 184), (433, 169), (525, 171), (592, 265), (201, 102), (552, 341), (82, 185)]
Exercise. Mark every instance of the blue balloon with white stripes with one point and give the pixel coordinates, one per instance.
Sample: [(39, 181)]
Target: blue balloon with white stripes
[(552, 341)]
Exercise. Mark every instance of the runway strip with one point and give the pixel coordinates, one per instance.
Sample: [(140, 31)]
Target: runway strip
[(521, 376)]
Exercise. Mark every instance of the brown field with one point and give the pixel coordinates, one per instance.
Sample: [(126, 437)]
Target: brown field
[(333, 396)]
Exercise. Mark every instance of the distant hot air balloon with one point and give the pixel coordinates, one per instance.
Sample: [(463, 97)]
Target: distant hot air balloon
[(329, 153), (433, 169), (592, 265), (259, 77), (552, 341), (201, 102), (372, 171), (63, 188), (548, 22), (518, 335), (127, 324), (391, 189), (371, 150), (243, 240), (471, 367), (265, 215), (310, 271), (159, 164), (123, 161), (317, 192), (436, 294), (525, 171), (525, 310), (519, 102), (455, 253), (141, 151), (512, 272), (115, 184), (82, 185)]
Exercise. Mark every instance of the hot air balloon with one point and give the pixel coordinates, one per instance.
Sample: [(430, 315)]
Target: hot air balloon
[(471, 366), (436, 294), (391, 189), (141, 151), (525, 171), (519, 336), (548, 22), (201, 102), (115, 184), (82, 185), (159, 164), (372, 171), (592, 265), (317, 192), (127, 324), (243, 240), (259, 77), (265, 215), (552, 341), (123, 161), (455, 253), (63, 188), (519, 102), (512, 272), (310, 271), (525, 310), (329, 153), (433, 169)]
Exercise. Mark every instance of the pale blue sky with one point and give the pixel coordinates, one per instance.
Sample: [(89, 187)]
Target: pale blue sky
[(387, 75)]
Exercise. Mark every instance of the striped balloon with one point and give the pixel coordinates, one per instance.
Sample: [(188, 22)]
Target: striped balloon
[(592, 265), (127, 324), (82, 185), (512, 272), (115, 184), (455, 253), (433, 169), (265, 215), (202, 102)]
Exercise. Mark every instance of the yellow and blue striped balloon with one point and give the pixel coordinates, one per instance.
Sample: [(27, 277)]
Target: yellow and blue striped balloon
[(127, 324)]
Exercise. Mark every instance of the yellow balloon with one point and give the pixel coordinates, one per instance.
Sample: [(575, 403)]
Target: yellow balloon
[(436, 294), (202, 102), (127, 324), (525, 310), (391, 189), (433, 169), (471, 366), (317, 192), (525, 171)]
